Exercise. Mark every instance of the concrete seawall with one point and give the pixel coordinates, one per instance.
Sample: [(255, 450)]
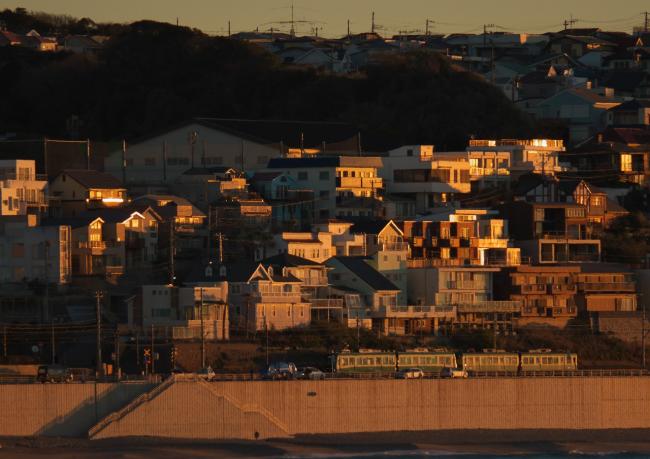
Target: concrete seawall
[(262, 409), (60, 409)]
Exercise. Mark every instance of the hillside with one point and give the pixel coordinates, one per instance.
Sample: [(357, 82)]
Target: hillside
[(151, 75)]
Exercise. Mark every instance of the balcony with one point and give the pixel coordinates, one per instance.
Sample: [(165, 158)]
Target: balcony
[(326, 303), (359, 182), (394, 246), (489, 306), (489, 243), (434, 262), (415, 312), (97, 244), (561, 288), (607, 286), (466, 285)]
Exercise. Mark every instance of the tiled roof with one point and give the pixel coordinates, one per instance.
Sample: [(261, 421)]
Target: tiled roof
[(93, 179), (367, 273)]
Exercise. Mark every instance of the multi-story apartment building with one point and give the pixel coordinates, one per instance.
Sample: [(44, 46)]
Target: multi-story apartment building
[(547, 293), (428, 179), (261, 298), (22, 191), (75, 191), (466, 289), (344, 186), (182, 313), (605, 287), (466, 237), (494, 163), (313, 246), (553, 232), (33, 250)]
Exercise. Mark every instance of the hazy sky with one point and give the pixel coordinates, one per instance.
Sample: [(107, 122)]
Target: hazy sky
[(450, 15)]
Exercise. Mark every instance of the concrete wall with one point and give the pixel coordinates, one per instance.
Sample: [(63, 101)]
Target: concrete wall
[(261, 409), (60, 409)]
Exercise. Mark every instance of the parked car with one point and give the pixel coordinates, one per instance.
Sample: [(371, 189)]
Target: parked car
[(281, 370), (53, 374), (410, 373), (206, 373), (453, 373), (310, 373)]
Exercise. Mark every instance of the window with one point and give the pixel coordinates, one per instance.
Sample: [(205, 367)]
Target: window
[(626, 162), (303, 175), (409, 152), (324, 175)]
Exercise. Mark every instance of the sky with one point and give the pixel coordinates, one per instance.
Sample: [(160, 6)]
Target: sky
[(331, 16)]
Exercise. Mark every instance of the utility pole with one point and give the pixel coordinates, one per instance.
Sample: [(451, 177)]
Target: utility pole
[(52, 339), (202, 332), (645, 21), (220, 236), (172, 249), (228, 29), (124, 162), (372, 27), (348, 29), (98, 300), (426, 28), (153, 353), (117, 355), (88, 154), (643, 333)]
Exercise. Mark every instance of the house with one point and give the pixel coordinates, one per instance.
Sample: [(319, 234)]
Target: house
[(495, 163), (35, 41), (113, 242), (628, 83), (553, 232), (8, 38), (583, 110), (416, 172), (578, 45), (345, 186), (314, 246), (74, 191), (601, 210), (261, 298), (632, 113), (615, 154), (292, 205), (467, 291), (605, 287), (546, 293), (81, 44), (246, 145), (22, 191), (182, 313), (465, 237), (324, 303), (204, 185), (33, 250), (182, 224), (379, 296)]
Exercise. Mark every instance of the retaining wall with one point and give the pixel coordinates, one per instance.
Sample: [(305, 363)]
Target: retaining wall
[(264, 409), (60, 409)]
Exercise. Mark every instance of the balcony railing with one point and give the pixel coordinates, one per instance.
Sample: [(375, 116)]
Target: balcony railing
[(97, 244), (394, 246), (416, 311), (326, 303), (490, 306), (607, 286)]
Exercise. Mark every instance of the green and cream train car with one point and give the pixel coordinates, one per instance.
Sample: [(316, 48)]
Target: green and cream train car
[(507, 362), (548, 361), (386, 362)]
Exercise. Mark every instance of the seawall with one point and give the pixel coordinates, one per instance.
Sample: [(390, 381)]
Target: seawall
[(264, 409), (61, 409)]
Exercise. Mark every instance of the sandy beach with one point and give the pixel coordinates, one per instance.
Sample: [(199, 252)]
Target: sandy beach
[(393, 444)]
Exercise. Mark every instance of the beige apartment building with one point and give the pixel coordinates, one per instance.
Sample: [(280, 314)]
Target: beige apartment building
[(22, 191), (344, 186)]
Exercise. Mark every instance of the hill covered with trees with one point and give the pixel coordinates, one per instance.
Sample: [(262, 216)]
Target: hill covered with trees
[(151, 75)]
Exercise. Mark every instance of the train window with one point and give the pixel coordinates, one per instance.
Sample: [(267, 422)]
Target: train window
[(544, 360)]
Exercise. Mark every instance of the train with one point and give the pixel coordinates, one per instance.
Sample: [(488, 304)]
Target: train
[(434, 361)]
